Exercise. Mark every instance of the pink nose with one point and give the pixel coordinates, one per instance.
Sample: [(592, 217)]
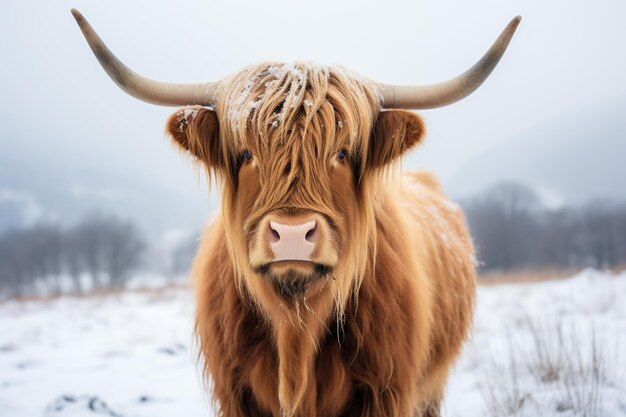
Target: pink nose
[(292, 242)]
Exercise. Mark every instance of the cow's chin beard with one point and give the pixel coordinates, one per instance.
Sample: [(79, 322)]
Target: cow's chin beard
[(291, 280)]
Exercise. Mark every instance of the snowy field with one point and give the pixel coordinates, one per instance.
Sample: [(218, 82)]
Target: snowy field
[(543, 349)]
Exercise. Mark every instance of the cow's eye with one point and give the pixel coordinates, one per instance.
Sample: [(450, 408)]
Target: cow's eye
[(341, 155), (247, 155)]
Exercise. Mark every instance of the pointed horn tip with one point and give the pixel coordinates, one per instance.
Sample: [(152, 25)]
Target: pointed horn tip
[(510, 29), (80, 19), (76, 14), (515, 22)]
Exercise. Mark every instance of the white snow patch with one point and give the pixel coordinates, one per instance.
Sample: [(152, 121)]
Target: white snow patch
[(187, 114), (132, 352), (276, 74)]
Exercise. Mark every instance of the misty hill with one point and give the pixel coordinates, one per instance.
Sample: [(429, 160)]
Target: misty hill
[(571, 160), (42, 188)]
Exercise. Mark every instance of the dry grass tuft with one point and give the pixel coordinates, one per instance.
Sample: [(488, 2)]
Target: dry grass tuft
[(523, 277), (559, 368), (503, 390)]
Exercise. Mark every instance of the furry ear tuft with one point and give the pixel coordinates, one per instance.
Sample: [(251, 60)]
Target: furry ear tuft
[(195, 129), (396, 132)]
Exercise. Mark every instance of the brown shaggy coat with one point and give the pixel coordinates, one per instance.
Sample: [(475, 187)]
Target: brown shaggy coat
[(377, 335)]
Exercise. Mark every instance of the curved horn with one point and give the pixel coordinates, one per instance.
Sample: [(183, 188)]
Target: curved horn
[(451, 91), (145, 89)]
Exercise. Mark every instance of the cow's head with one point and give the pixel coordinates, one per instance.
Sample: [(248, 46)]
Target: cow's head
[(298, 150)]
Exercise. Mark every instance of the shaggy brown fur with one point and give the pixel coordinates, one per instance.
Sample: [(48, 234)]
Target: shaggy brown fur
[(373, 328)]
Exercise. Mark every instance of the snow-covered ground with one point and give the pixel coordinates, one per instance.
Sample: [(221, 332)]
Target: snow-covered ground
[(543, 349)]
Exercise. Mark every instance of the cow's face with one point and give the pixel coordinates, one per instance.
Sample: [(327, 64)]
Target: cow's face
[(297, 148)]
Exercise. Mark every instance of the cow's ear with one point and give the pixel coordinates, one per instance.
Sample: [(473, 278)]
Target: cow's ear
[(396, 132), (196, 130)]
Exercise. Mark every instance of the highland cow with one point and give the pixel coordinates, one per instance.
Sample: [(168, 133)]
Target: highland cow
[(327, 286)]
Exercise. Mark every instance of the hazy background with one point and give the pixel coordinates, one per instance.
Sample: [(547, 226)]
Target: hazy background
[(550, 117)]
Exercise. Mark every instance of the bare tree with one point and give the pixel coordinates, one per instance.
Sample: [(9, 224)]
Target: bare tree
[(122, 250), (503, 224), (604, 228), (109, 248), (73, 259), (103, 248), (89, 237), (512, 230), (48, 251)]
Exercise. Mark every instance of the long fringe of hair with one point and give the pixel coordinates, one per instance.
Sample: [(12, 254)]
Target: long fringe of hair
[(269, 107)]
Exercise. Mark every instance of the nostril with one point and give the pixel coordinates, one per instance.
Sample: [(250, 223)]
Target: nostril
[(273, 235), (311, 235)]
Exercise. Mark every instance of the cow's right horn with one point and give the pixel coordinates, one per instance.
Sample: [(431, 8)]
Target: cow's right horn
[(145, 89), (448, 92)]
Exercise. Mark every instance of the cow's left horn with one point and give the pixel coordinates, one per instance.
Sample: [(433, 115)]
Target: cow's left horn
[(145, 89), (451, 91)]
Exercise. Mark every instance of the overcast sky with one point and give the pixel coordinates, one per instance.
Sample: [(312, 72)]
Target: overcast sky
[(56, 102)]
